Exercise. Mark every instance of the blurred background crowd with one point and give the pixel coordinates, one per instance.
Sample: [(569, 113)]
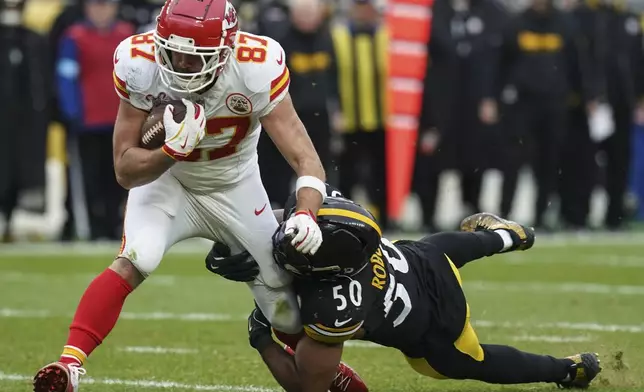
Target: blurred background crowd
[(533, 109)]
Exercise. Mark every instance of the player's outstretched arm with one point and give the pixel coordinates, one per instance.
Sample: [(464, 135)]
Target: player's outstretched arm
[(135, 166), (289, 135), (317, 364), (313, 367)]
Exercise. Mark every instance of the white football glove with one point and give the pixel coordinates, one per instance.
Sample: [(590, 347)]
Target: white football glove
[(182, 138), (309, 237)]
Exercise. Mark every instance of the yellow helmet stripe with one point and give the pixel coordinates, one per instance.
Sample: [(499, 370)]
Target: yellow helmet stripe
[(352, 215)]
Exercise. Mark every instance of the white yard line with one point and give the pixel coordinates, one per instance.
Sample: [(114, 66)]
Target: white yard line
[(200, 247), (543, 288), (551, 338), (361, 344), (219, 317), (30, 313), (149, 384), (585, 326), (549, 288), (595, 260), (38, 278), (183, 316), (158, 350)]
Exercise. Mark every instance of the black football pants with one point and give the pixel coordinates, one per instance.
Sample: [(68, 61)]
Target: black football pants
[(500, 364)]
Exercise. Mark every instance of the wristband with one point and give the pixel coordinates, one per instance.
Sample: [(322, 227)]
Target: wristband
[(311, 182)]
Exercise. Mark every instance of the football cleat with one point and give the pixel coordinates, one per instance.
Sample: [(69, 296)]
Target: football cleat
[(347, 380), (522, 236), (585, 368), (58, 377)]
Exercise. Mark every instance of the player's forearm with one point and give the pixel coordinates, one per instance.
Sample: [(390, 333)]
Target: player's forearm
[(282, 366), (308, 164), (138, 166)]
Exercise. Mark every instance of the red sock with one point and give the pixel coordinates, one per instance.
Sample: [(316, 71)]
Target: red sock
[(96, 315)]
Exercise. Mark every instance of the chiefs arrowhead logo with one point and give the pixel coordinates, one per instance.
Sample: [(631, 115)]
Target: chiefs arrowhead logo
[(231, 16)]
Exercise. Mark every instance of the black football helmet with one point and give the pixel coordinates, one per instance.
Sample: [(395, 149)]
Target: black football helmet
[(350, 235)]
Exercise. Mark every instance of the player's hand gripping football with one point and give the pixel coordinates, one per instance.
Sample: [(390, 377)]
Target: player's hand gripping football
[(304, 229), (182, 138)]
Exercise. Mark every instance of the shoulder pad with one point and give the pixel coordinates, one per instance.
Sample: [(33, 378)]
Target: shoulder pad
[(135, 69), (332, 311), (262, 64)]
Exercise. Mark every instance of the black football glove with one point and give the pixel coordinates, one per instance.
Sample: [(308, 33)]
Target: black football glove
[(241, 267), (259, 330)]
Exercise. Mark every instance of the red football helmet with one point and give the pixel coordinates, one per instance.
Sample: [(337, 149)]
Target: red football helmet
[(197, 29)]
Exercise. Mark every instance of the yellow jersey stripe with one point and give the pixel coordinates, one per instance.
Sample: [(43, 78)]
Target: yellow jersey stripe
[(338, 330), (352, 215), (280, 81), (315, 328), (119, 83), (326, 339)]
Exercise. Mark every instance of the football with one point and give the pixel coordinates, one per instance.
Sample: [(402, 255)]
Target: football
[(153, 130)]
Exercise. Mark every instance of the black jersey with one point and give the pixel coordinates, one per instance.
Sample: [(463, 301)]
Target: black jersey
[(407, 295)]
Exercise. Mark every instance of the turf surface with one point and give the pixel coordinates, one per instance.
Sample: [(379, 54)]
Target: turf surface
[(185, 329)]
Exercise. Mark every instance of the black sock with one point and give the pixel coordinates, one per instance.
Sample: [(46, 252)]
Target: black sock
[(502, 365), (463, 247)]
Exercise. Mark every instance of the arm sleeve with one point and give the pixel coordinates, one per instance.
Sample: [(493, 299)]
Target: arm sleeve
[(270, 80), (119, 74), (67, 78)]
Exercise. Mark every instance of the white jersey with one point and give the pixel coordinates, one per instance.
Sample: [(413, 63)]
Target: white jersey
[(254, 80)]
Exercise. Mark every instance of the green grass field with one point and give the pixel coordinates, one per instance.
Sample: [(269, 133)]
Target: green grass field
[(185, 329)]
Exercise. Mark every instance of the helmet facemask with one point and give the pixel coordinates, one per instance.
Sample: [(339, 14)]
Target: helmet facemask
[(212, 61)]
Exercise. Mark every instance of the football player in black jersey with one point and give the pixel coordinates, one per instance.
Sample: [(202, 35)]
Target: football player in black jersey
[(405, 294)]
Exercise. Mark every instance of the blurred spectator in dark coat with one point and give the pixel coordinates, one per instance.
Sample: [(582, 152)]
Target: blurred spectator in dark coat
[(543, 55), (459, 109), (272, 17), (361, 46), (614, 36), (309, 55), (141, 13), (23, 108)]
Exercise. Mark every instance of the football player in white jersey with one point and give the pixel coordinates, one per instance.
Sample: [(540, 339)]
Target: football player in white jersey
[(205, 180)]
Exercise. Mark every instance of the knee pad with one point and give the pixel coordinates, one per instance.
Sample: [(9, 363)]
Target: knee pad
[(287, 325), (284, 318), (145, 258)]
